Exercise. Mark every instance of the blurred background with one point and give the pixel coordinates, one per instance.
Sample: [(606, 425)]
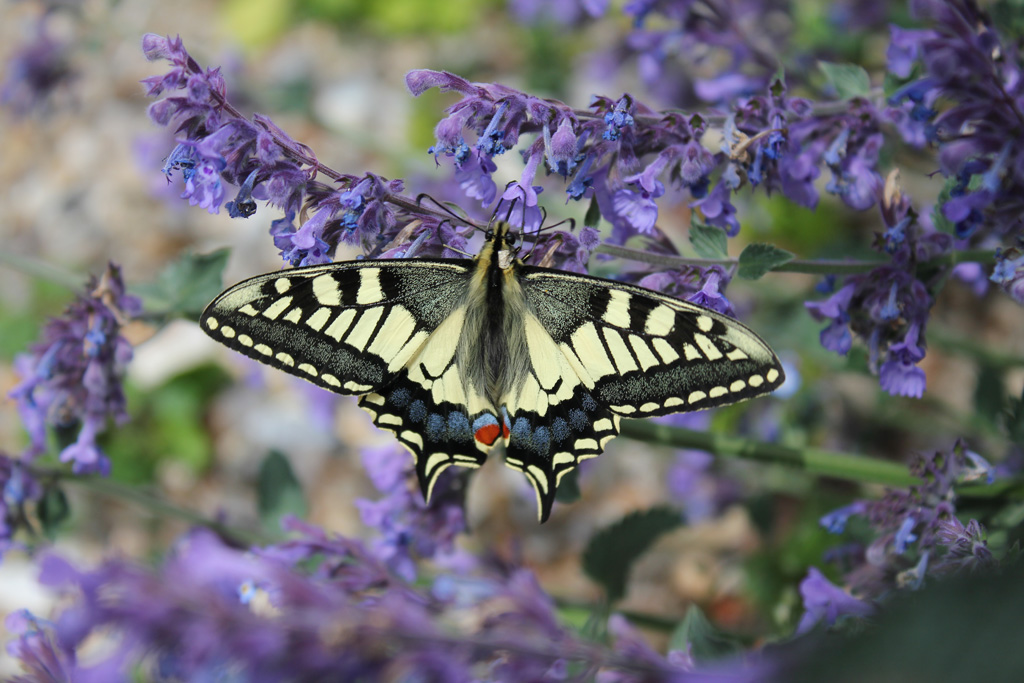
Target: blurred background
[(80, 185)]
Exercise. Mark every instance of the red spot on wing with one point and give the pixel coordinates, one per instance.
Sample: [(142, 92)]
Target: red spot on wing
[(488, 434)]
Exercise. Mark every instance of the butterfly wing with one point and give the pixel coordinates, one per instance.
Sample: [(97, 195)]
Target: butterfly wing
[(600, 350), (386, 330), (642, 353)]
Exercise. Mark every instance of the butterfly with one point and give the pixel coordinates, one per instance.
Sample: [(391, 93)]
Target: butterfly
[(456, 355)]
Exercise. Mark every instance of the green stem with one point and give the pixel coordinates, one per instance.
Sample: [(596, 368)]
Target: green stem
[(154, 504), (42, 270), (812, 460), (806, 266)]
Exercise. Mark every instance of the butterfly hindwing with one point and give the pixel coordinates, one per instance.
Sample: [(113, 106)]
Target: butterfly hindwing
[(644, 354)]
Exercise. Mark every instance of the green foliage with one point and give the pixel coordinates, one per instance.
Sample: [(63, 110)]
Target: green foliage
[(849, 80), (167, 424), (1014, 420), (278, 492), (990, 392), (21, 326), (943, 224), (708, 241), (612, 551), (757, 259), (185, 286), (593, 215), (705, 641), (53, 510)]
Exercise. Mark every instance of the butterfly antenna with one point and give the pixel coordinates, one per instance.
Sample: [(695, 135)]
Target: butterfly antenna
[(445, 207)]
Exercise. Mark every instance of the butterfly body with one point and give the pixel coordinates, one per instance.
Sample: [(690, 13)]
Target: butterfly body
[(454, 356)]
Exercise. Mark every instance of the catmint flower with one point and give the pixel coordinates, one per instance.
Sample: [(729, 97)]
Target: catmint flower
[(38, 649), (899, 375), (835, 521), (1008, 273), (474, 176), (519, 201), (563, 250), (74, 376), (917, 531), (718, 210), (618, 119), (824, 602), (37, 70), (966, 547), (561, 148), (409, 528), (976, 73)]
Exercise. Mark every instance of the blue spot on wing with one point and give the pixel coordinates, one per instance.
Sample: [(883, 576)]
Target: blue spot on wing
[(560, 429), (400, 398), (417, 412), (435, 427), (458, 427)]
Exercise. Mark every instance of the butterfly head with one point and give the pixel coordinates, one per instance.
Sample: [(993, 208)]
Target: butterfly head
[(505, 242)]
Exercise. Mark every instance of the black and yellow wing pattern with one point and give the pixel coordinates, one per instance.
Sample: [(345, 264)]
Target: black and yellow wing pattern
[(453, 356)]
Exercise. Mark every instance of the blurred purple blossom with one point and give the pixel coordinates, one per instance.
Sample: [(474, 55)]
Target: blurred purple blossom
[(411, 530), (889, 306), (73, 377), (977, 75), (826, 602), (36, 71), (217, 149), (917, 530), (311, 608)]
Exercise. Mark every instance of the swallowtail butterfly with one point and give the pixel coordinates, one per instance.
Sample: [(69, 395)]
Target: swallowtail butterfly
[(455, 355)]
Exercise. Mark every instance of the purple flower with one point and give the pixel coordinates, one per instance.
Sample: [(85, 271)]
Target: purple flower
[(36, 72), (718, 210), (900, 375), (409, 528), (38, 650), (1008, 273), (917, 533), (618, 119), (561, 148), (474, 176), (976, 72), (966, 547), (74, 375), (835, 521), (825, 602)]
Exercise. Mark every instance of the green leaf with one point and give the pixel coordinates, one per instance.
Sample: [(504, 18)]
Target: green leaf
[(278, 491), (849, 80), (939, 220), (777, 86), (708, 241), (706, 642), (612, 551), (593, 215), (989, 391), (53, 510), (185, 286), (1014, 420), (759, 258)]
